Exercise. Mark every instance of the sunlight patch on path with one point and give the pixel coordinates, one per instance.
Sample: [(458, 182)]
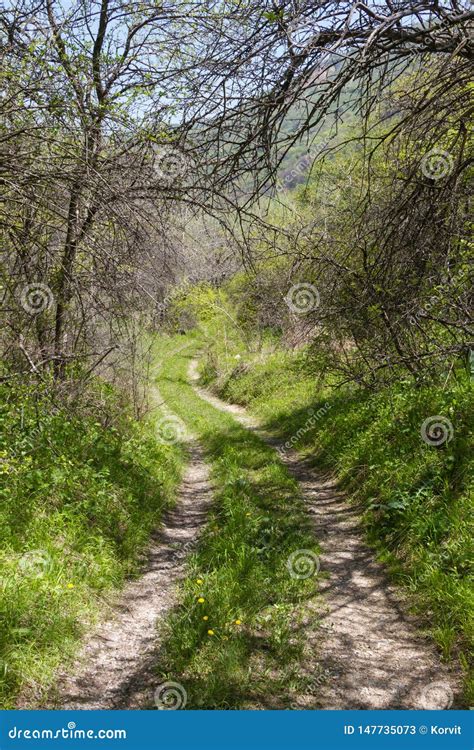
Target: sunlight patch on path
[(367, 645), (115, 668)]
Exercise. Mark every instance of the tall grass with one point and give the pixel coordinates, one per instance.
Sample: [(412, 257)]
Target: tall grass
[(418, 498), (234, 641), (78, 500)]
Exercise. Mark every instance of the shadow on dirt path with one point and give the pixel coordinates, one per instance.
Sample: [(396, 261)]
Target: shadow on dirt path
[(115, 667), (367, 646)]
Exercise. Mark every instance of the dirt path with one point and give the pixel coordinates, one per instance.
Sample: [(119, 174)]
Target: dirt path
[(369, 648), (115, 668)]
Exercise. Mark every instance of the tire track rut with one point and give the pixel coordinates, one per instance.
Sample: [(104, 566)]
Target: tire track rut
[(366, 644)]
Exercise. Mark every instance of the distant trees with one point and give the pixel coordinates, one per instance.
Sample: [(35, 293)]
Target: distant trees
[(373, 261), (119, 119), (384, 240), (93, 169), (283, 67), (394, 265)]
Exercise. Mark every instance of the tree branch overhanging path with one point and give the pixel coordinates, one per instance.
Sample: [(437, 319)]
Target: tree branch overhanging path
[(107, 93)]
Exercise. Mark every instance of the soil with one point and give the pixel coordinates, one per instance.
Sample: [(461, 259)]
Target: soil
[(370, 650)]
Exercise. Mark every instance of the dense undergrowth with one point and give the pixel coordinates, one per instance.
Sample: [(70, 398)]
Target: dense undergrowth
[(235, 641), (416, 498), (79, 495)]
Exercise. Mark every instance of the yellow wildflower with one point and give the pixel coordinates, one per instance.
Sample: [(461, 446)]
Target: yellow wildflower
[(210, 632), (201, 600)]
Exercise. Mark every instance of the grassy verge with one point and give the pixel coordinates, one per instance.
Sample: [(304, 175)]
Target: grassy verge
[(233, 643), (418, 497), (78, 499)]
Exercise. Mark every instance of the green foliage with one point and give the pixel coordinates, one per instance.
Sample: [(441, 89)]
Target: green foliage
[(201, 305), (418, 498), (77, 503)]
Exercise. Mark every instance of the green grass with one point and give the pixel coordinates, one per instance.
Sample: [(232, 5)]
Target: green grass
[(78, 499), (240, 567), (418, 499)]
